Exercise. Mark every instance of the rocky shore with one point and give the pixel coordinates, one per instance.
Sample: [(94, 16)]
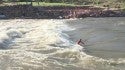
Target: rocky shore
[(56, 12)]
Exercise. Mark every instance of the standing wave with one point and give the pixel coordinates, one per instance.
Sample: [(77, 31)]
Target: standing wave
[(44, 45)]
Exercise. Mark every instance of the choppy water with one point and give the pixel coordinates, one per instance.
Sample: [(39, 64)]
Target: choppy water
[(27, 44)]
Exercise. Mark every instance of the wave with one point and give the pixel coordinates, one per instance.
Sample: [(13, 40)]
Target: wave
[(46, 45), (7, 38)]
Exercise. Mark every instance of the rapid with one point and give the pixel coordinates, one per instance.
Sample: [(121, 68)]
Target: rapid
[(51, 44)]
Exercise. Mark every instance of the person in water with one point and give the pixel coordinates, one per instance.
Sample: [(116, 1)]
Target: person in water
[(80, 42)]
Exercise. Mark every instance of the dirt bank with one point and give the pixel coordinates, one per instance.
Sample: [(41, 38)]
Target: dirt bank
[(56, 12)]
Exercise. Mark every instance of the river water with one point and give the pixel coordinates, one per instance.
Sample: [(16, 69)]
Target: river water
[(41, 44)]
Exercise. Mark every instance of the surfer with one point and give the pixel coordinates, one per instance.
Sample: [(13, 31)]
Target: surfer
[(80, 42)]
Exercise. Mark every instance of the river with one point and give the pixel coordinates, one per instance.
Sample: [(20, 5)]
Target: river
[(51, 44)]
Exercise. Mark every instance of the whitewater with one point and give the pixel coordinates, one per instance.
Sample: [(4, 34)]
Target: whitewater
[(51, 44)]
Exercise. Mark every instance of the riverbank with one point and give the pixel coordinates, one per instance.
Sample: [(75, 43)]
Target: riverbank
[(56, 12)]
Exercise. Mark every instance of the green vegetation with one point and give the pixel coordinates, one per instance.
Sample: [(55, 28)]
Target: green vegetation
[(47, 4), (111, 3)]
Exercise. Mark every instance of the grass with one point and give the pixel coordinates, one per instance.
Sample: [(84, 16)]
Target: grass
[(42, 4), (46, 4), (52, 4), (112, 4)]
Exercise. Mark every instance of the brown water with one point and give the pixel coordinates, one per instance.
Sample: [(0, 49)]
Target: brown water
[(104, 37), (28, 44)]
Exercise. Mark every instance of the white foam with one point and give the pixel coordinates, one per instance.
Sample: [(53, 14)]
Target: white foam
[(8, 36), (34, 38), (4, 40), (14, 34)]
